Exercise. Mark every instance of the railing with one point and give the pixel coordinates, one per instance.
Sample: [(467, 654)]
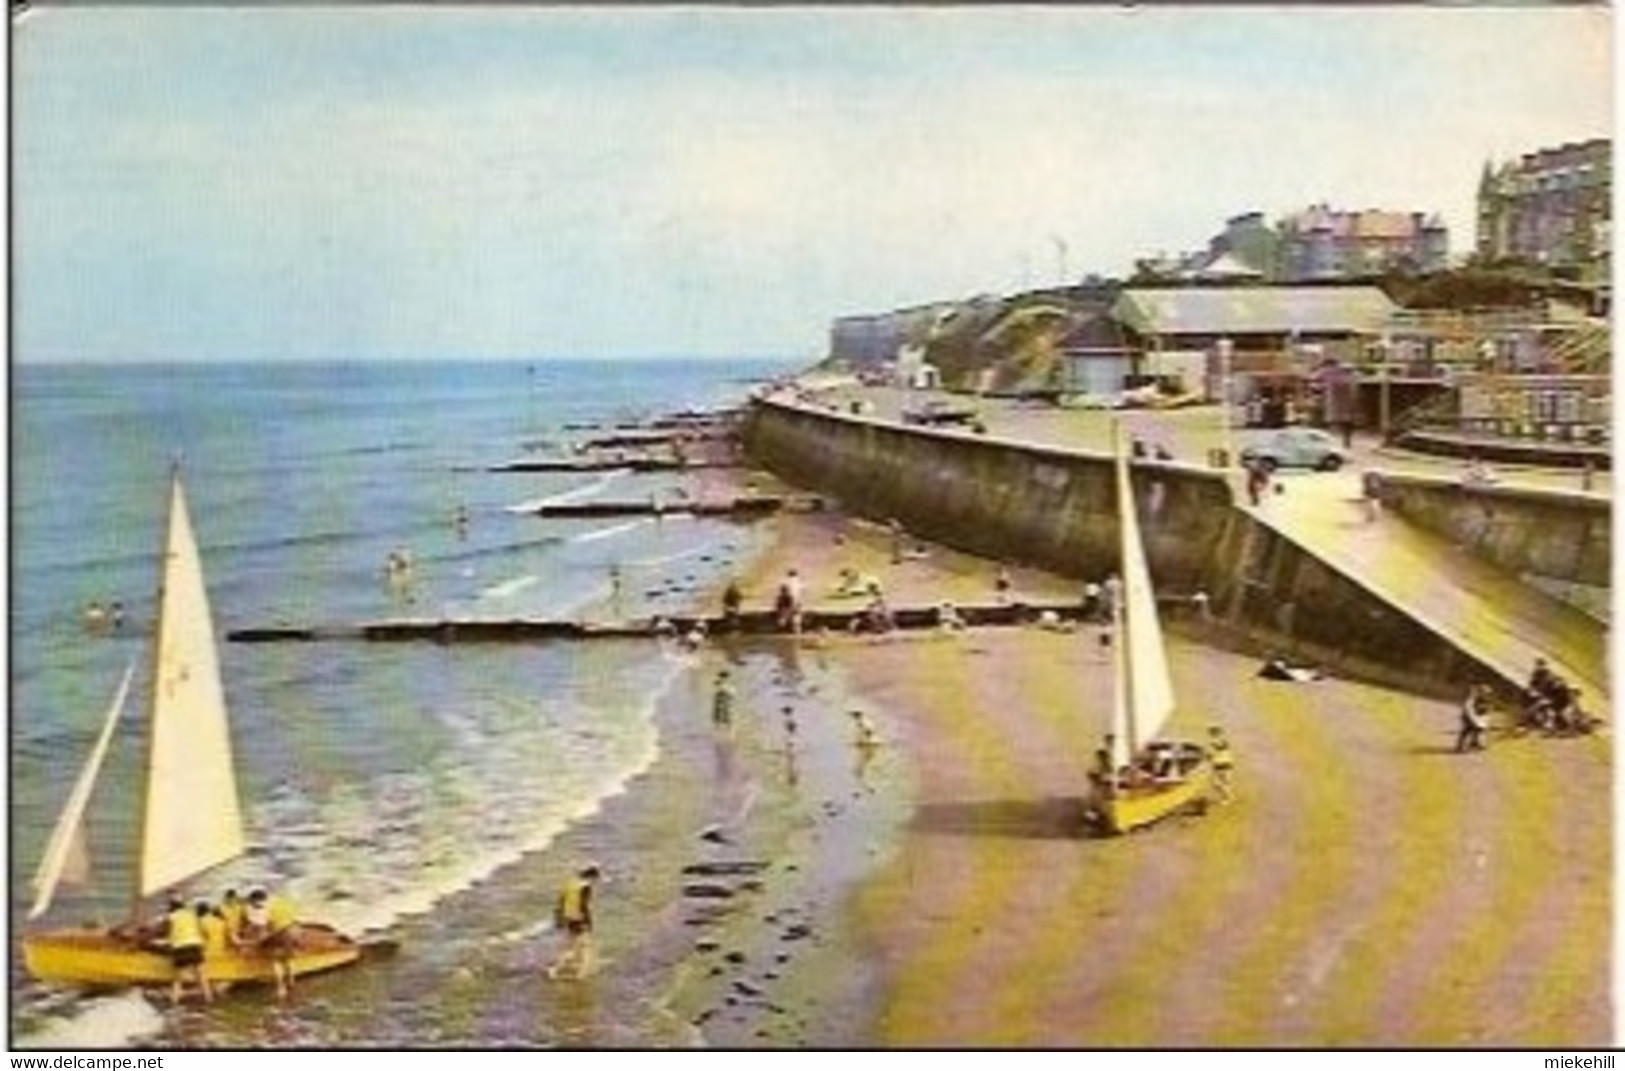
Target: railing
[(1541, 408)]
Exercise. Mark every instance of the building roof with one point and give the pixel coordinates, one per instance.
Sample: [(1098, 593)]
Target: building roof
[(1228, 266), (1253, 310), (1379, 224)]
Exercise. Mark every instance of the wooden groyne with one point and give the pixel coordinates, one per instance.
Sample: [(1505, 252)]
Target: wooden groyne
[(747, 623), (744, 506), (660, 437), (690, 418), (641, 463)]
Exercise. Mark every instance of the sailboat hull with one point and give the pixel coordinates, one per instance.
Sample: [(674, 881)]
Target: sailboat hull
[(1134, 806), (96, 957)]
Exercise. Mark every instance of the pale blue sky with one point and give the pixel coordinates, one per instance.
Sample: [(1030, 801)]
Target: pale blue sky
[(521, 182)]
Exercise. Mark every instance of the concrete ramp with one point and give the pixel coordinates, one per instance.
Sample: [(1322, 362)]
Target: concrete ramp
[(1482, 610)]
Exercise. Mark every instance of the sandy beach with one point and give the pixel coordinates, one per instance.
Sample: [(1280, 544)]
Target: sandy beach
[(1368, 888)]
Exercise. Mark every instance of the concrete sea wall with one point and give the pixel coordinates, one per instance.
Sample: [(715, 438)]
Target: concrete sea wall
[(1056, 509), (1051, 508), (1559, 541)]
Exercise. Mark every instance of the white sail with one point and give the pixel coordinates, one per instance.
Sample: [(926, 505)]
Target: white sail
[(193, 820), (1142, 660), (65, 858), (1122, 751)]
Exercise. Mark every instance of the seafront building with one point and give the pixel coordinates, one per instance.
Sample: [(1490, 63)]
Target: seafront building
[(1550, 207)]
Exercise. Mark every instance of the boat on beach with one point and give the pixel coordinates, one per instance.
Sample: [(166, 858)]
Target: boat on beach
[(191, 816), (1141, 778)]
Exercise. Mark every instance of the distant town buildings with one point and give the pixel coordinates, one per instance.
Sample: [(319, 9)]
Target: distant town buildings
[(1549, 207), (1317, 244), (1321, 243)]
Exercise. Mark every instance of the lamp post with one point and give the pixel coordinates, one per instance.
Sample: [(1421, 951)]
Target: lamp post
[(1382, 387)]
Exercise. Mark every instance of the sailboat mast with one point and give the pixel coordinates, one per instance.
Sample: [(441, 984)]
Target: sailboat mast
[(154, 682), (1125, 659)]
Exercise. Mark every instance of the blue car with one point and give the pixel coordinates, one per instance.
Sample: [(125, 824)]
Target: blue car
[(1295, 448)]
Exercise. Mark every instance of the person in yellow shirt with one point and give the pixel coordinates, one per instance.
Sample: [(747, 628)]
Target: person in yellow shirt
[(185, 950), (232, 912), (216, 943), (271, 925), (573, 915)]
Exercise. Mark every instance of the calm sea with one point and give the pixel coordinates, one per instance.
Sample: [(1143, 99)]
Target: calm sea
[(380, 781)]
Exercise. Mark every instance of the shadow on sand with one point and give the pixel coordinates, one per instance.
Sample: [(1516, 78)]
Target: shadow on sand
[(1055, 817)]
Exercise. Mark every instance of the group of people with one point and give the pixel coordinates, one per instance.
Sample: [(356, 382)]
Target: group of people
[(199, 936), (101, 620), (1552, 704), (1164, 763), (398, 566)]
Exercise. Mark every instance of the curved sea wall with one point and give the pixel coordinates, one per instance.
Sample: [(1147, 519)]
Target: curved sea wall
[(1056, 509), (1051, 508)]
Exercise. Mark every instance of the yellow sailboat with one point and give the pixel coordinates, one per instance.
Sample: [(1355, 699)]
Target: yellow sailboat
[(1145, 777), (191, 819)]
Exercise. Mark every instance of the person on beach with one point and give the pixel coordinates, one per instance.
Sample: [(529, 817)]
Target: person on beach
[(787, 604), (732, 600), (1092, 603), (1475, 719), (185, 939), (1001, 585), (216, 942), (722, 700), (865, 736), (1546, 697), (876, 618), (1104, 772), (896, 528), (949, 618), (1224, 763), (270, 926), (572, 914), (233, 913), (1111, 596)]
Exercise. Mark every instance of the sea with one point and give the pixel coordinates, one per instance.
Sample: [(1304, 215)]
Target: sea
[(385, 785)]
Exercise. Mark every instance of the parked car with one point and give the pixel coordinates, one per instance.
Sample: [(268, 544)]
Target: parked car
[(1297, 448), (938, 412)]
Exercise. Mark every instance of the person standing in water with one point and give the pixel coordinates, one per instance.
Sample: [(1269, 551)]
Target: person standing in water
[(722, 701), (573, 915)]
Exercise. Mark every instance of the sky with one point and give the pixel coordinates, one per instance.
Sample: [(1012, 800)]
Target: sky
[(531, 182)]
